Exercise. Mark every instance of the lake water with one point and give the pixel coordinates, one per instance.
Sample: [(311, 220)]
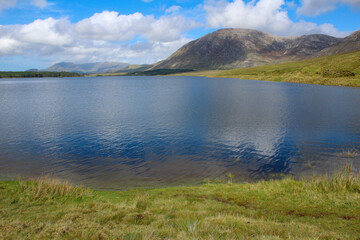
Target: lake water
[(123, 132)]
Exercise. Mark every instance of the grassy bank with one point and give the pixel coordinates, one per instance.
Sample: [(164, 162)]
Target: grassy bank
[(337, 70), (319, 208)]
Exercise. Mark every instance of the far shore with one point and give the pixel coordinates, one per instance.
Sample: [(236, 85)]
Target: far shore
[(334, 70)]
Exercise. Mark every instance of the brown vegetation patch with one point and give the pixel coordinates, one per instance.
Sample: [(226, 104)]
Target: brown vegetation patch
[(337, 73)]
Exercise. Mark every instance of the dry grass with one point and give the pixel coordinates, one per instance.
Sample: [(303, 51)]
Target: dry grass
[(342, 181), (47, 187), (350, 153)]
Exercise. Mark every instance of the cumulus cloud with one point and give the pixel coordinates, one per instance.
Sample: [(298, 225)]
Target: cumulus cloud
[(105, 36), (110, 26), (317, 7), (47, 32), (265, 15)]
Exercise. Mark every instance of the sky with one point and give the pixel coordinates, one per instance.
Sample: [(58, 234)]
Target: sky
[(40, 33)]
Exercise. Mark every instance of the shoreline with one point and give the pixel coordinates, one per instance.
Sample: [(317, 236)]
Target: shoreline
[(334, 70), (334, 82)]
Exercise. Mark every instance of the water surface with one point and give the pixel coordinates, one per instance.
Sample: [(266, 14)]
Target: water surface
[(122, 132)]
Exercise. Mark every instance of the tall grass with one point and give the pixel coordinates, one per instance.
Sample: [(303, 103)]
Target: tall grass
[(343, 180), (47, 187)]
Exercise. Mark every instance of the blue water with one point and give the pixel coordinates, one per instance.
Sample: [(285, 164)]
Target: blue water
[(122, 132)]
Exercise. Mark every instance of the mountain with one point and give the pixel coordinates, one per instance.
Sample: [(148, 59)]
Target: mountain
[(135, 68), (99, 67), (348, 44), (239, 48)]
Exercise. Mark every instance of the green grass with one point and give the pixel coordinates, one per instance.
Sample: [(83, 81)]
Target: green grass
[(338, 70), (318, 208)]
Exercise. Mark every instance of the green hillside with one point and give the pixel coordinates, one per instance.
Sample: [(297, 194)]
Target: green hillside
[(338, 70)]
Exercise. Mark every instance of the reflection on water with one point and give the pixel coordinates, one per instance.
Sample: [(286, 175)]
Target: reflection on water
[(120, 132)]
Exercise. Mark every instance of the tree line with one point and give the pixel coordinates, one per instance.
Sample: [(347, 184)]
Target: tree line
[(37, 74)]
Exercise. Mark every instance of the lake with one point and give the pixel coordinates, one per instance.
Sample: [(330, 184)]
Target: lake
[(124, 132)]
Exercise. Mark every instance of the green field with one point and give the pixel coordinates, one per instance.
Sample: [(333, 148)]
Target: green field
[(337, 70), (318, 208)]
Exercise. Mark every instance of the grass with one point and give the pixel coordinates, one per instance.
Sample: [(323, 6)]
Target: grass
[(350, 153), (323, 207), (337, 70)]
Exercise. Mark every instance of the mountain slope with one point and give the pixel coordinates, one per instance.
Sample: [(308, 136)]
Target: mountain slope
[(339, 70), (348, 44), (236, 48), (99, 67)]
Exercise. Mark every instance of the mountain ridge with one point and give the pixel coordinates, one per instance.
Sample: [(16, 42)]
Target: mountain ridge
[(97, 67)]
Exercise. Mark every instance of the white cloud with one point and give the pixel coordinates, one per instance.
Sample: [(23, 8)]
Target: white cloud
[(317, 7), (173, 9), (40, 3), (105, 36), (6, 4), (110, 26), (47, 32), (9, 46), (265, 15)]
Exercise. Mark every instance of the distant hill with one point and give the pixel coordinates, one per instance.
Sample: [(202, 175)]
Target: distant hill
[(99, 67), (240, 48), (134, 68)]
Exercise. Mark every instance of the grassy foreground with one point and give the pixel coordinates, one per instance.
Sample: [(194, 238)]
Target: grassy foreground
[(337, 70), (319, 208)]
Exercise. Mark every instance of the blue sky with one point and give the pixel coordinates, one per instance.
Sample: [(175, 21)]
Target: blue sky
[(39, 33)]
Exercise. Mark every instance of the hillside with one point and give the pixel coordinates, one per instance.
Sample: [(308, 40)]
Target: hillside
[(338, 70), (348, 44), (238, 48)]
